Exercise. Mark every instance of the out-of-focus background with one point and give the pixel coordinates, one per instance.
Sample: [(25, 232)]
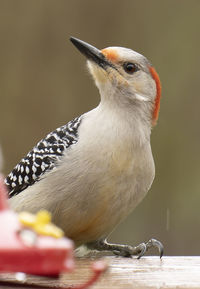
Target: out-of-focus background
[(44, 84)]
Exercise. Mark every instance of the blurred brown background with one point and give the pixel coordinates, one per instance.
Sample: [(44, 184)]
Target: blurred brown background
[(44, 84)]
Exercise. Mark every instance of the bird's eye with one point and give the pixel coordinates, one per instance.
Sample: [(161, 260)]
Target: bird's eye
[(130, 67)]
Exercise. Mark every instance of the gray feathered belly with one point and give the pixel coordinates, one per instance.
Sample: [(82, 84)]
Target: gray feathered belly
[(88, 197)]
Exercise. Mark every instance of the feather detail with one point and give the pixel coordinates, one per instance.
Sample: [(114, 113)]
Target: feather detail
[(158, 94)]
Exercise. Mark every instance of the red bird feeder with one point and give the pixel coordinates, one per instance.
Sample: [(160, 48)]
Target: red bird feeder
[(24, 250)]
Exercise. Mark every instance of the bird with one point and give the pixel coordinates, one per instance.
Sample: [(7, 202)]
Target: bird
[(92, 172)]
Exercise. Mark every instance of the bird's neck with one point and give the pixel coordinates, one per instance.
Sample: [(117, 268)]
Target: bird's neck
[(126, 119), (133, 115)]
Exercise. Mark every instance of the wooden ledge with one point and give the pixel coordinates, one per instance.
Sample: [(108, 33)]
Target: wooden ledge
[(126, 273)]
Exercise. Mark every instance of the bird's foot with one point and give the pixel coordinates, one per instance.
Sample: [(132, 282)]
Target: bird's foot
[(126, 250)]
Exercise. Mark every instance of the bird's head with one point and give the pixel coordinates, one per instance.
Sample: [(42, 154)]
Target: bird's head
[(124, 75)]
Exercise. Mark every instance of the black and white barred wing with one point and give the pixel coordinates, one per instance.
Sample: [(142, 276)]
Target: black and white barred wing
[(43, 157)]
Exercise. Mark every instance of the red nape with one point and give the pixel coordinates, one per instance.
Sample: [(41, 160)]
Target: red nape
[(155, 76)]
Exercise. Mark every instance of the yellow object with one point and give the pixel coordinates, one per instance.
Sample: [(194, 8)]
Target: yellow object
[(41, 223)]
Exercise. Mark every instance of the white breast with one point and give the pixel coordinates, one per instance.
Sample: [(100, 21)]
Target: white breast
[(117, 169), (99, 181)]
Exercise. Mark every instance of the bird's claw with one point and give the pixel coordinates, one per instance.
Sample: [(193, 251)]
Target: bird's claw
[(126, 250), (157, 244), (140, 250), (151, 243), (122, 253), (143, 249)]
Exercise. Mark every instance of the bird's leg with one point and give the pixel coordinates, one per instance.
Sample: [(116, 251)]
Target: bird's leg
[(126, 250)]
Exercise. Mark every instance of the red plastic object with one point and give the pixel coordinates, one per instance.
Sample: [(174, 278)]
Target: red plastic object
[(48, 256)]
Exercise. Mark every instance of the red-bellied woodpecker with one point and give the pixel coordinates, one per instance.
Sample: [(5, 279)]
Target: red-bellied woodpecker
[(92, 172)]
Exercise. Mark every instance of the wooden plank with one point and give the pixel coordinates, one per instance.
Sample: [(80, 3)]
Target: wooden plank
[(148, 272)]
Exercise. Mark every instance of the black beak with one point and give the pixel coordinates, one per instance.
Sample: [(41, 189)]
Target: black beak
[(91, 52)]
